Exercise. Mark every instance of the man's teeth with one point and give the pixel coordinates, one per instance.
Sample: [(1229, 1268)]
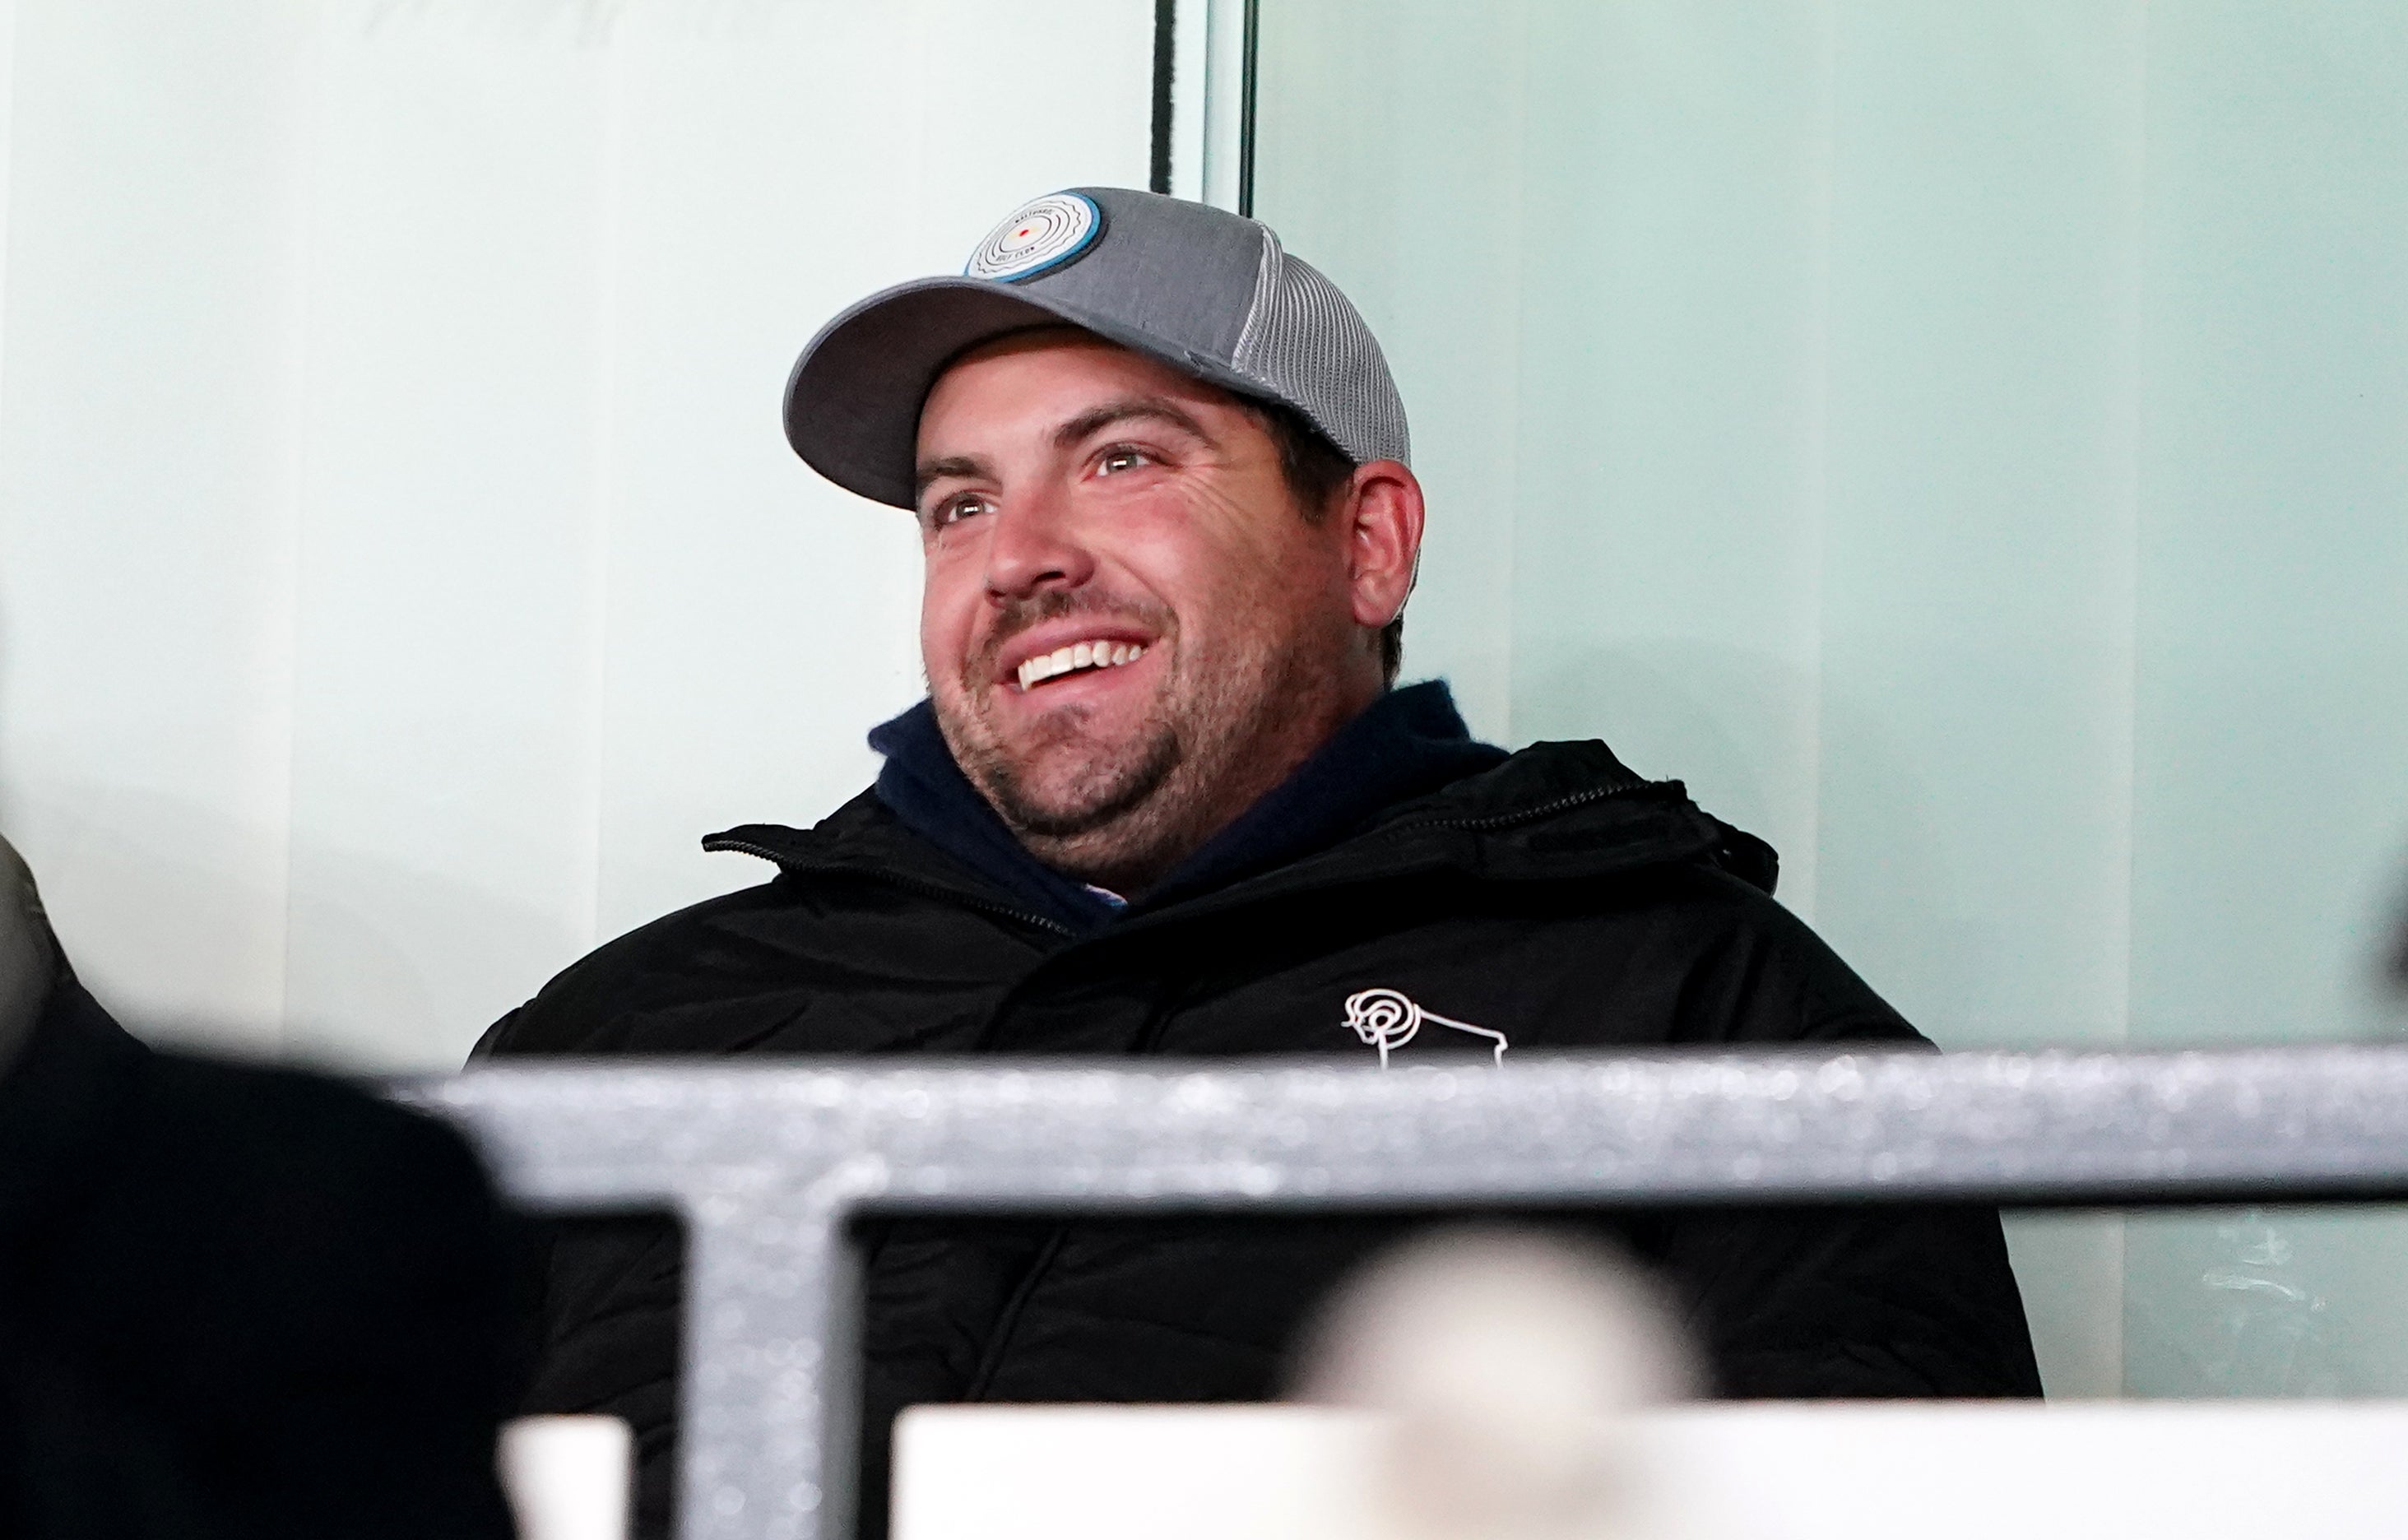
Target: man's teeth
[(1062, 660)]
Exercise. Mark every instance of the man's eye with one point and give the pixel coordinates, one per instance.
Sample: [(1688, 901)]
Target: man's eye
[(1122, 458), (953, 510)]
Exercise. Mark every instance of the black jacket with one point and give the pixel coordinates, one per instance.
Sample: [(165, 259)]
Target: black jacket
[(241, 1303), (1556, 899)]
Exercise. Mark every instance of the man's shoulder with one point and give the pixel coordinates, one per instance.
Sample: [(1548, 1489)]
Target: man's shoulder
[(1566, 811), (854, 899), (1598, 860), (655, 962)]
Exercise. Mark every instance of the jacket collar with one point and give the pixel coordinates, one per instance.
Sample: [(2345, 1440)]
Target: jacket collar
[(1407, 743), (1554, 811)]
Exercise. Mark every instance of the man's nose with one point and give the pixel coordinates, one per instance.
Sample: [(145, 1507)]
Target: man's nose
[(1034, 545)]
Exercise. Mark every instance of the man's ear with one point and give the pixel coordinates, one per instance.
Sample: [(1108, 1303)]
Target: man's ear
[(1383, 538)]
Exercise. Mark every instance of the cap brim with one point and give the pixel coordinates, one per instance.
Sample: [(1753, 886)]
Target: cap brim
[(852, 401)]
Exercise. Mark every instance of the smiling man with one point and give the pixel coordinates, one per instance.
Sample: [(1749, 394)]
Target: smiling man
[(1123, 653), (1164, 799)]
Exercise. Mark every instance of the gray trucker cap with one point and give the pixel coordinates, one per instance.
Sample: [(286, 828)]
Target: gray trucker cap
[(1204, 291)]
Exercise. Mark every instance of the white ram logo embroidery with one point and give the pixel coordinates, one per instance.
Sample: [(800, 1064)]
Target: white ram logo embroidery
[(1388, 1019)]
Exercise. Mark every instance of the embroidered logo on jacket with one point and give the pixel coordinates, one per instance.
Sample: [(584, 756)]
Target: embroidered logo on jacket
[(1388, 1019)]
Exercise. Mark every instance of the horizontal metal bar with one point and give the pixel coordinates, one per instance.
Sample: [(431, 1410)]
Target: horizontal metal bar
[(766, 1161), (2302, 1122)]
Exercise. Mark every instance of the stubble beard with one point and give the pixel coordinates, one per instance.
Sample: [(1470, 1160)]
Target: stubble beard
[(1124, 813)]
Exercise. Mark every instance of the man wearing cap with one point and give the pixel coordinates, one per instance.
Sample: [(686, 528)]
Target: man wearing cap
[(1164, 799)]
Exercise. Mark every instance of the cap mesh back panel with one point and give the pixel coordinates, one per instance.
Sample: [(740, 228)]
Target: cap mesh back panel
[(1309, 347)]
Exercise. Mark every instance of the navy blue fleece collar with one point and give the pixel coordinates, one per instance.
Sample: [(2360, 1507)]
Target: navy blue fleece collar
[(1408, 743), (927, 791)]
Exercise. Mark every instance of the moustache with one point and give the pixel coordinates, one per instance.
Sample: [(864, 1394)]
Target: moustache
[(1014, 616)]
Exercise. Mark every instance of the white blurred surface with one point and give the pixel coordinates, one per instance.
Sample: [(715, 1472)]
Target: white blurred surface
[(401, 563), (1863, 1470), (569, 1477)]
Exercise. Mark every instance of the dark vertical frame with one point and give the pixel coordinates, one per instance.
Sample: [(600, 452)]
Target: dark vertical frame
[(1246, 112), (1166, 76), (1165, 64)]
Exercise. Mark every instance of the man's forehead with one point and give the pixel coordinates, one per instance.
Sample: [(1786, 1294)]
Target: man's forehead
[(1087, 370), (1073, 345)]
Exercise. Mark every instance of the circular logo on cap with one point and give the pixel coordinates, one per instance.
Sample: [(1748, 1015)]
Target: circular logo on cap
[(1055, 230)]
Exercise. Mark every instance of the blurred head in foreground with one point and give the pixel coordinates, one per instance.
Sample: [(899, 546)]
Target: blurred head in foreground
[(1505, 1358)]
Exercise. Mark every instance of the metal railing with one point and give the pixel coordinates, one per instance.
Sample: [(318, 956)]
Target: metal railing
[(767, 1164)]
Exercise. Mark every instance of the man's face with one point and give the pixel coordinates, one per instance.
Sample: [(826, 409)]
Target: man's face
[(1130, 629)]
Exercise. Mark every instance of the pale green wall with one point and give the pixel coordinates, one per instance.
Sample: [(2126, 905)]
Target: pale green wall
[(1968, 442)]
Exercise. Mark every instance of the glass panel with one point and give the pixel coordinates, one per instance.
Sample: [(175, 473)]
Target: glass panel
[(1965, 443)]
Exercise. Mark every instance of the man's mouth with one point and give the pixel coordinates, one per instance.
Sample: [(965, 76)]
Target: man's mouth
[(1077, 658)]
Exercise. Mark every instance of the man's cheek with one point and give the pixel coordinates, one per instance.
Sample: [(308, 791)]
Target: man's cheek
[(945, 642)]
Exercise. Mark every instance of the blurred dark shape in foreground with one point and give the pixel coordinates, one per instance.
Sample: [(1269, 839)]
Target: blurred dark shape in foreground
[(234, 1302)]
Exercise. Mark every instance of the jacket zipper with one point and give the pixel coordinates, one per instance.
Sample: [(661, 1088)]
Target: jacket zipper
[(893, 879), (1008, 1324), (1524, 815)]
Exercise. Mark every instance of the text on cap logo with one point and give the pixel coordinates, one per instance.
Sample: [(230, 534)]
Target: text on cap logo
[(1043, 235)]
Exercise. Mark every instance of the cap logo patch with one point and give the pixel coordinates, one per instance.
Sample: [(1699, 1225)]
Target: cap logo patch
[(1052, 231)]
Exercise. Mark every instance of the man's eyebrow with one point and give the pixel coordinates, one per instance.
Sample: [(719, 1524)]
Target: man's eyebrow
[(1134, 408), (963, 465)]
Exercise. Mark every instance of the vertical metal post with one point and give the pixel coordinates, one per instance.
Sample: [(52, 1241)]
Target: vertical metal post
[(769, 1362)]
